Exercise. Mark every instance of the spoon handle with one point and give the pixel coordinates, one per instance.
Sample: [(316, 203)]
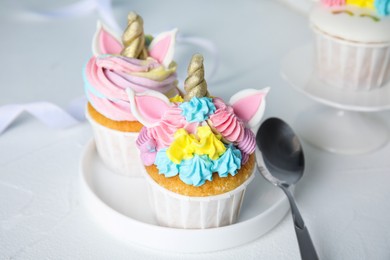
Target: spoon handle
[(306, 247)]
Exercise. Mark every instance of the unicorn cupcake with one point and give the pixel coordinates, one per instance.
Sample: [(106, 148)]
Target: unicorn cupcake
[(198, 151), (140, 63), (352, 42)]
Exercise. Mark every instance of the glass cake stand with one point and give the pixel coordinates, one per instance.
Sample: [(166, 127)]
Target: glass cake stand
[(345, 125)]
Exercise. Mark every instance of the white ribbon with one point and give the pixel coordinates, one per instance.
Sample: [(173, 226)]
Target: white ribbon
[(48, 113), (54, 116), (104, 7)]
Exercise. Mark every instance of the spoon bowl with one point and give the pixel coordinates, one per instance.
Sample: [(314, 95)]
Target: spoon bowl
[(283, 165), (281, 150)]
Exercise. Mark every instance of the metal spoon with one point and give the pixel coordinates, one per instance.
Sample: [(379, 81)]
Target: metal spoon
[(284, 162)]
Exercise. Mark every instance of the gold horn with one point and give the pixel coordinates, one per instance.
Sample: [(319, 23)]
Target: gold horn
[(133, 38), (195, 84)]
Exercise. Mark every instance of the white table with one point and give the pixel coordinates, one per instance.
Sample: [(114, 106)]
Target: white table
[(343, 199)]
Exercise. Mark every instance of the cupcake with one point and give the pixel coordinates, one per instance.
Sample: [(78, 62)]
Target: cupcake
[(198, 151), (352, 43), (140, 63)]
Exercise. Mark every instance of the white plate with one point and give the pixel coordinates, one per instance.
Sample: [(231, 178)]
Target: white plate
[(120, 205), (298, 71)]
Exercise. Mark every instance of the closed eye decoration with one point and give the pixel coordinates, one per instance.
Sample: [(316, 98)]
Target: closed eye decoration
[(342, 12), (373, 17)]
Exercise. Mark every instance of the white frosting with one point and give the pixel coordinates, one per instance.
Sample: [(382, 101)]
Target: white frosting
[(352, 28)]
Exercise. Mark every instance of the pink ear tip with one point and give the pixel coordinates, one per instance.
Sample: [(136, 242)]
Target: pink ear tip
[(249, 104), (148, 107), (162, 47), (105, 41)]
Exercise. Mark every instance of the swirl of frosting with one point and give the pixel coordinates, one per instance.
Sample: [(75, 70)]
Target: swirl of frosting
[(333, 2), (107, 76), (244, 158), (182, 147), (229, 162), (143, 137), (227, 123), (185, 145), (196, 170), (208, 144), (171, 121), (220, 104), (165, 165), (247, 145), (382, 7), (197, 109), (147, 147)]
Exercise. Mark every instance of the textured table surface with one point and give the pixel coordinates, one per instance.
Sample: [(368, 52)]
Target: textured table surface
[(344, 199)]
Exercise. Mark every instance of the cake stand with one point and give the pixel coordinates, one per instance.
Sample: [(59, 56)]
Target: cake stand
[(344, 125)]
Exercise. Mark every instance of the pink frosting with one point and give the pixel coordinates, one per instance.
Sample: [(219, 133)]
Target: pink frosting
[(226, 122), (143, 137), (111, 75), (147, 147), (247, 145), (333, 2), (244, 158), (171, 121)]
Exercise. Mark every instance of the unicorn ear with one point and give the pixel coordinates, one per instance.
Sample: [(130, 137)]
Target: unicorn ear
[(148, 107), (162, 47), (105, 41), (249, 105)]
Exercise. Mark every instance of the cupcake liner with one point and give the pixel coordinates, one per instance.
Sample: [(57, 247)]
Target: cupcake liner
[(179, 211), (351, 65), (117, 149)]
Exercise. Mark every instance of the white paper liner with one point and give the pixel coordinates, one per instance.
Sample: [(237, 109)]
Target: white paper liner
[(117, 149), (179, 211), (351, 65)]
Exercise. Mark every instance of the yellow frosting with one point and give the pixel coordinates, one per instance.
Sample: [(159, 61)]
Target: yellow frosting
[(182, 147), (361, 3), (209, 143), (185, 145), (176, 99), (159, 74)]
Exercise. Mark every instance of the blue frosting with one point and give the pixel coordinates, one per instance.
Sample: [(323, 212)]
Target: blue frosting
[(382, 7), (165, 165), (229, 162), (197, 170), (197, 109)]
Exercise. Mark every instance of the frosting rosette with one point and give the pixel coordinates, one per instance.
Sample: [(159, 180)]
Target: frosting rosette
[(197, 109), (171, 121), (382, 7), (247, 145), (225, 122)]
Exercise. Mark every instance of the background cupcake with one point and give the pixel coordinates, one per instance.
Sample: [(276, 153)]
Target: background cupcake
[(352, 42), (198, 153), (140, 63)]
